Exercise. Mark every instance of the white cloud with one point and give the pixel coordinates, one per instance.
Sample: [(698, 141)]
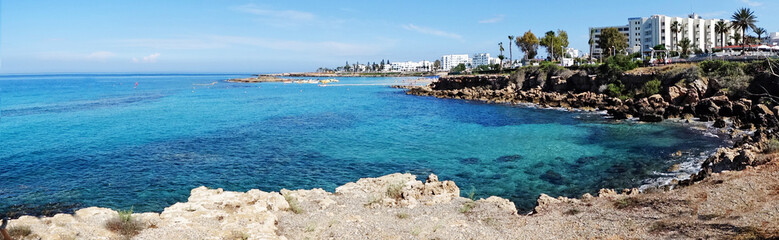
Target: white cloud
[(101, 55), (496, 19), (147, 59), (752, 3), (430, 31), (171, 43), (278, 18), (325, 48)]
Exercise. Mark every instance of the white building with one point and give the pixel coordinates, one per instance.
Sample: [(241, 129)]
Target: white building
[(494, 61), (645, 33), (479, 59), (409, 66), (772, 39), (596, 31), (571, 53), (450, 61)]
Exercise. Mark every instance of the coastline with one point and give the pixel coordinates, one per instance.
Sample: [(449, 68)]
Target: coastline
[(399, 206), (501, 89), (693, 164), (377, 74)]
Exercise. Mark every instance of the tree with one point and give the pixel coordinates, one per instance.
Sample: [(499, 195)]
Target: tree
[(744, 18), (737, 39), (511, 55), (437, 64), (685, 44), (591, 42), (500, 44), (528, 43), (759, 31), (675, 30), (555, 44), (457, 69), (501, 57), (721, 28), (612, 39), (562, 36)]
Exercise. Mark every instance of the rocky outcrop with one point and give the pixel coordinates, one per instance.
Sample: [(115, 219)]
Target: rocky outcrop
[(220, 214)]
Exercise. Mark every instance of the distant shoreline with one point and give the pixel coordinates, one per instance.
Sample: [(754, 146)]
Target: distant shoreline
[(388, 74)]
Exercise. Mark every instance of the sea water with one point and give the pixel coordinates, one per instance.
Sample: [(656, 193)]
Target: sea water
[(144, 141)]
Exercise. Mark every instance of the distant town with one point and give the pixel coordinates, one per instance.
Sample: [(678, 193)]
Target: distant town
[(657, 38)]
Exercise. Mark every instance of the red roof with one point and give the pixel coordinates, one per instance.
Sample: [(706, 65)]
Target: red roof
[(736, 47)]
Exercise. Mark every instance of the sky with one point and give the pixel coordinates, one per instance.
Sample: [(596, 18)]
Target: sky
[(246, 36)]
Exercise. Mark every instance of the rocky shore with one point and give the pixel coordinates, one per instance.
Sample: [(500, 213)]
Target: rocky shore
[(258, 79), (750, 124), (727, 205)]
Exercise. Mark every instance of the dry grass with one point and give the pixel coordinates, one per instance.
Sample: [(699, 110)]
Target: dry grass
[(395, 191), (125, 224), (236, 235), (18, 232), (294, 205)]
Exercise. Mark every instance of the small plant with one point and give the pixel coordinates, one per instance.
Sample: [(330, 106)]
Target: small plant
[(627, 202), (771, 146), (467, 206), (310, 227), (373, 200), (416, 231), (126, 215), (294, 205), (237, 235), (572, 211), (18, 232), (402, 215), (395, 191), (125, 224), (472, 194)]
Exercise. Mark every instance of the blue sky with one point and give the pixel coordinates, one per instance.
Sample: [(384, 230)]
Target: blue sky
[(40, 36)]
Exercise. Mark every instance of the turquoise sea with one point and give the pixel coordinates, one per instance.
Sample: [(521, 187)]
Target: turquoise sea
[(72, 141)]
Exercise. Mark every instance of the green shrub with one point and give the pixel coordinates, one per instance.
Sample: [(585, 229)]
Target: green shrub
[(771, 146), (125, 224), (650, 88), (615, 89), (721, 68), (615, 66), (402, 215)]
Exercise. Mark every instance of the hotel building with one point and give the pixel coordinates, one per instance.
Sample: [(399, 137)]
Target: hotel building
[(645, 33)]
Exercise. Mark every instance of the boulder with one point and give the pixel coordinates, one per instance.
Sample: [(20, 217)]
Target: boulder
[(675, 95)]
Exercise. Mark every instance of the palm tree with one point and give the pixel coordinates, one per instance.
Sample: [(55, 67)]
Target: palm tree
[(511, 55), (685, 44), (744, 19), (721, 28), (675, 30), (759, 31), (591, 42), (500, 44)]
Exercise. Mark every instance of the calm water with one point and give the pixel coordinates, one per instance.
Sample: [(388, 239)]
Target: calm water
[(70, 141)]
